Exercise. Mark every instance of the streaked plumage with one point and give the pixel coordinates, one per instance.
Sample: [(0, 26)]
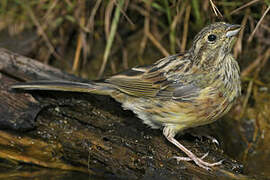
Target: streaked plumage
[(176, 92)]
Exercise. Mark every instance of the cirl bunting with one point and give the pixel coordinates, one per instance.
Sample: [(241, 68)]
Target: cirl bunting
[(177, 92)]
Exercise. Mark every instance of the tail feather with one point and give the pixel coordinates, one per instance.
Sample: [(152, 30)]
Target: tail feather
[(91, 87)]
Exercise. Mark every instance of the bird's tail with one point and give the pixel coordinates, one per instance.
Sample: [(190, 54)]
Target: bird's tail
[(89, 87)]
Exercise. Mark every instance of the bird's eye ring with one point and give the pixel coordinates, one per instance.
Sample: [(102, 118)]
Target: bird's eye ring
[(212, 37)]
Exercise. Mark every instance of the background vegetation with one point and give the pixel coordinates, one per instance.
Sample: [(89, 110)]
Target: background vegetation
[(93, 39)]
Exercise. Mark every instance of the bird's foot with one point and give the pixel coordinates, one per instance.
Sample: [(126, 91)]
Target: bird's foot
[(169, 133), (199, 161)]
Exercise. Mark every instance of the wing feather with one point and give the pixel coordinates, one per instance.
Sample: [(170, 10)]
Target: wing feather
[(157, 81)]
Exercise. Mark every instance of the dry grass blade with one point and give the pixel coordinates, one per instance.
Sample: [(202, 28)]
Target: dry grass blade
[(184, 39), (245, 103), (146, 28), (127, 18), (108, 15), (178, 16), (91, 22), (157, 44), (125, 58), (215, 9), (238, 45), (176, 20), (244, 6), (111, 37), (41, 30), (258, 24), (78, 49)]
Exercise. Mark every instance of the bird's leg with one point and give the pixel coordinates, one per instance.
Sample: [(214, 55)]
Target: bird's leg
[(169, 133)]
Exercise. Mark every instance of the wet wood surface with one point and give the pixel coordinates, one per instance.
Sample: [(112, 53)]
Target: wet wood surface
[(89, 133)]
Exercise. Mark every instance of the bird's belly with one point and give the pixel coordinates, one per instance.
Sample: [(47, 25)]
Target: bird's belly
[(186, 115), (158, 113)]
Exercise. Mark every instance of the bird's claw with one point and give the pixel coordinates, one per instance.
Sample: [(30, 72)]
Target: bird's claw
[(213, 140)]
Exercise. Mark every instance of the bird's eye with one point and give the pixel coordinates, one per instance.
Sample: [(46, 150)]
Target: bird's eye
[(212, 37)]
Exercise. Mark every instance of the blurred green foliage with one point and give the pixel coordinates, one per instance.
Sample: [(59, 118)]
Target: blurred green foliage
[(67, 27)]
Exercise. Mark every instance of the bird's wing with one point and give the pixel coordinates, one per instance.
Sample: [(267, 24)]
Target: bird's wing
[(173, 77)]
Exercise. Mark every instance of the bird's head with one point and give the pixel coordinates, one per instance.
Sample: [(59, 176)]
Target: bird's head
[(214, 40)]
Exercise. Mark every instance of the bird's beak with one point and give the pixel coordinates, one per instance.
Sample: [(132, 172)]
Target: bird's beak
[(232, 30)]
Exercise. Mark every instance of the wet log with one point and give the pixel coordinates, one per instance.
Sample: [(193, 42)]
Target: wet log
[(89, 133)]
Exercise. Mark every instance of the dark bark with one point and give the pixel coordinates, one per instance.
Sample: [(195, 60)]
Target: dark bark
[(89, 133)]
